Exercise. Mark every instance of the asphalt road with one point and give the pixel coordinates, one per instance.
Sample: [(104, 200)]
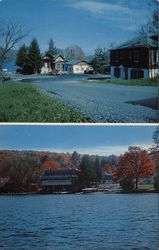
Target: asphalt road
[(102, 102)]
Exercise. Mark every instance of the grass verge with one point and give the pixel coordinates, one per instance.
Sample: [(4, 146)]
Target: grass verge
[(24, 103), (141, 82), (146, 187)]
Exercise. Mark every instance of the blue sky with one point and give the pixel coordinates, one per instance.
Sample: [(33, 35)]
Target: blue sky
[(87, 23), (102, 140)]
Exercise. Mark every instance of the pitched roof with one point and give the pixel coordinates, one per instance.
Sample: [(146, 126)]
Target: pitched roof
[(145, 41), (59, 55), (73, 62)]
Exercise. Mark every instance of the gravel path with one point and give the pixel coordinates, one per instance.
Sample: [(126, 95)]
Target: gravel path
[(102, 102)]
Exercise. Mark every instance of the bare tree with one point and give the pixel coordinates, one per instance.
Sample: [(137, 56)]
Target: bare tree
[(22, 170), (10, 35)]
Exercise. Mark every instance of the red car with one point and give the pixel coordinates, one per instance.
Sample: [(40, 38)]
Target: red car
[(54, 72)]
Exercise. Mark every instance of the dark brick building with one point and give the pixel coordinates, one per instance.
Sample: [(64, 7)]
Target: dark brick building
[(135, 59)]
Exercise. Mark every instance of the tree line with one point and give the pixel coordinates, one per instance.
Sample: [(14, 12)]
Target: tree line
[(30, 59), (26, 169)]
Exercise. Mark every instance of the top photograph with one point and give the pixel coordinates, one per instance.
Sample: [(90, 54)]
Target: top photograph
[(79, 61)]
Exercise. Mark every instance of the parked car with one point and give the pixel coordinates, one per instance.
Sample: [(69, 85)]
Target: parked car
[(54, 72), (89, 71)]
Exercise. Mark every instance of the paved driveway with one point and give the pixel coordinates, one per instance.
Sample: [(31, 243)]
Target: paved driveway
[(102, 102)]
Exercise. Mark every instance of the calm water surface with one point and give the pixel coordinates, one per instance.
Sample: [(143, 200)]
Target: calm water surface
[(82, 222)]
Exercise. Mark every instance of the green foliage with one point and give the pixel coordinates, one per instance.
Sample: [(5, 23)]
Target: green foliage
[(141, 82), (22, 56), (90, 171), (23, 103), (98, 169), (51, 52), (100, 60), (34, 56)]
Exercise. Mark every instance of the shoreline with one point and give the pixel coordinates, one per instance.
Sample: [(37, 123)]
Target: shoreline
[(66, 193)]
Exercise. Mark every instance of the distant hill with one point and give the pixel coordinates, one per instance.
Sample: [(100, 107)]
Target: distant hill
[(63, 159)]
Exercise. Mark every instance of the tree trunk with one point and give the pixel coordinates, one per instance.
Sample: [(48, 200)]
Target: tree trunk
[(137, 184), (1, 74)]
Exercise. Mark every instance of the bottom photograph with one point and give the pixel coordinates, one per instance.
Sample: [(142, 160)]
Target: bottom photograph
[(79, 187)]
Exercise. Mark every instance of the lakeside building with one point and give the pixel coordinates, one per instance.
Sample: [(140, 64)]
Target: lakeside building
[(59, 180), (57, 63), (107, 178), (135, 59), (46, 68), (61, 65), (77, 67)]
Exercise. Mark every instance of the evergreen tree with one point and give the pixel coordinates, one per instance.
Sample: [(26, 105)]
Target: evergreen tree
[(98, 169), (51, 52), (22, 57), (34, 56), (88, 171), (100, 60)]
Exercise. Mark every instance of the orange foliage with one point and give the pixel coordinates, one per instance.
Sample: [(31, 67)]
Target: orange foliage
[(51, 164), (136, 164), (68, 167), (107, 168)]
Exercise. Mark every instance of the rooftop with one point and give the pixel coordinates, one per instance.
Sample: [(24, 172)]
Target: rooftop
[(145, 41), (73, 62)]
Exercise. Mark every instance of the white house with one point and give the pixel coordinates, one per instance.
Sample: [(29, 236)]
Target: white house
[(48, 65), (59, 63), (77, 67), (46, 68)]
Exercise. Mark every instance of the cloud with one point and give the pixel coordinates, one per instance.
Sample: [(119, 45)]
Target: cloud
[(116, 13), (98, 7)]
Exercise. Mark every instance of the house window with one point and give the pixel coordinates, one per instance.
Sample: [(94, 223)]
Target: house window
[(58, 66), (137, 74), (117, 72), (130, 55), (116, 56), (154, 56), (121, 55), (136, 56)]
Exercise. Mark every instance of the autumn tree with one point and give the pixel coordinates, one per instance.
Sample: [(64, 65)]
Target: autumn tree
[(135, 164), (52, 164), (10, 35), (21, 170), (154, 151)]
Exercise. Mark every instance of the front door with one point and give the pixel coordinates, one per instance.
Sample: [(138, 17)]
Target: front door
[(126, 73)]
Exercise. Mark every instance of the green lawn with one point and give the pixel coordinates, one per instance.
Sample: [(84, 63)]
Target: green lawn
[(24, 103), (142, 82), (146, 187)]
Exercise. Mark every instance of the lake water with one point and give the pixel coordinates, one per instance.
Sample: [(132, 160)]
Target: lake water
[(82, 222)]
